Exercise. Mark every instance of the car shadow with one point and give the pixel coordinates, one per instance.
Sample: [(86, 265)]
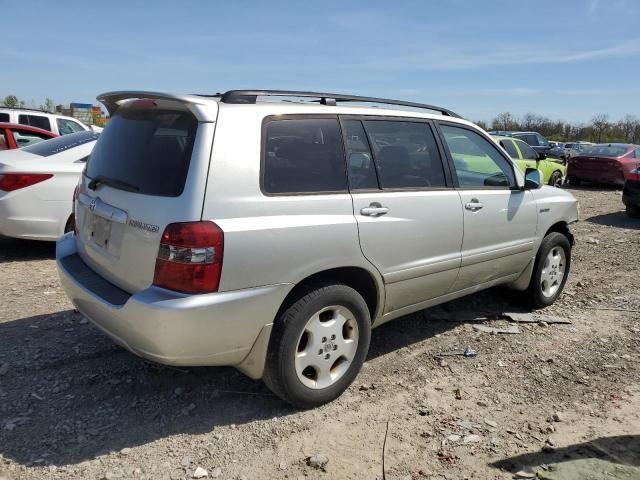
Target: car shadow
[(616, 219), (17, 250), (70, 394), (616, 450)]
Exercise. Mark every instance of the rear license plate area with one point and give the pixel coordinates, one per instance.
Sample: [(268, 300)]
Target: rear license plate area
[(100, 231)]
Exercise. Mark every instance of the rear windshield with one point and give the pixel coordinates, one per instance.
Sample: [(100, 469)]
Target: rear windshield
[(148, 149), (61, 144), (605, 151)]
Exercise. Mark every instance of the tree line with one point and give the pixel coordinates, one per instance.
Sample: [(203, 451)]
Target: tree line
[(12, 101), (599, 130)]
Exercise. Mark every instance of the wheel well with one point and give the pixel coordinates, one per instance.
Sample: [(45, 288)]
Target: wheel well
[(563, 228), (69, 225), (355, 277)]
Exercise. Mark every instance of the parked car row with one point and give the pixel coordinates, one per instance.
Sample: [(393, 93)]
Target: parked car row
[(52, 122)]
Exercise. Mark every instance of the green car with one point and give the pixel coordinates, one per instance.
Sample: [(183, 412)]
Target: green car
[(525, 157)]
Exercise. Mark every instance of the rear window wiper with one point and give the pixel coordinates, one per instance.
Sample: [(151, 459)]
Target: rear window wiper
[(112, 182)]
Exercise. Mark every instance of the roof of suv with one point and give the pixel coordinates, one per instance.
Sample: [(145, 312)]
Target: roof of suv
[(322, 102)]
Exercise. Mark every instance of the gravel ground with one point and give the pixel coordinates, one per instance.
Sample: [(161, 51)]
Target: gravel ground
[(74, 405)]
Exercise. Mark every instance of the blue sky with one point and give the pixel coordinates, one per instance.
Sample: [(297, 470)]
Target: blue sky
[(565, 59)]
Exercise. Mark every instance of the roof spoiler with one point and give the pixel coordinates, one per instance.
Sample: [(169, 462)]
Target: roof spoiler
[(199, 106)]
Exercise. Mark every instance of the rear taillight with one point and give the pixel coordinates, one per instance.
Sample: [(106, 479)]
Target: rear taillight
[(633, 175), (74, 220), (190, 257), (15, 181)]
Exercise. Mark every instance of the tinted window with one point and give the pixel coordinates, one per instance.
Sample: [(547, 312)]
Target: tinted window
[(362, 171), (304, 155), (528, 153), (24, 139), (605, 150), (35, 121), (147, 148), (60, 144), (478, 163), (4, 117), (406, 154), (65, 127), (510, 148)]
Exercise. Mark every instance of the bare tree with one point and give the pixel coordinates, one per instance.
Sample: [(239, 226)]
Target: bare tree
[(504, 121), (600, 125)]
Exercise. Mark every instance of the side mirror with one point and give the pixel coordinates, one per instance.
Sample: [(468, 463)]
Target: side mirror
[(533, 179), (542, 156)]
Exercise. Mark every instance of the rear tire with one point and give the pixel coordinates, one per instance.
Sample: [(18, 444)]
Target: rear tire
[(550, 271), (633, 211), (318, 345), (556, 179)]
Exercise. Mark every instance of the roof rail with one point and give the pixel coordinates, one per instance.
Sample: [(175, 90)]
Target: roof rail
[(250, 96), (25, 109)]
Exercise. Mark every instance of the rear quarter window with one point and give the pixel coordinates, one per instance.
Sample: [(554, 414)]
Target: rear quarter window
[(303, 155), (149, 149)]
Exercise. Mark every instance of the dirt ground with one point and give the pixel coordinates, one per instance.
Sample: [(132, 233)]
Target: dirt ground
[(74, 405)]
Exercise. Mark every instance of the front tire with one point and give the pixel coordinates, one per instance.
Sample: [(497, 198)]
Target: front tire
[(318, 345), (550, 271), (556, 179)]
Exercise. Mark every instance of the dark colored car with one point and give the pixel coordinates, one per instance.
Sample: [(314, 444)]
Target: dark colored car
[(604, 163), (534, 139), (13, 135), (631, 191), (558, 153)]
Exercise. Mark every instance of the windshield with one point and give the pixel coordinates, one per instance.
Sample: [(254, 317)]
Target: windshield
[(605, 150), (148, 149), (50, 147)]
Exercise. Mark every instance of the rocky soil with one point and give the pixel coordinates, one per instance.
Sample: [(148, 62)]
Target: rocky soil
[(74, 405)]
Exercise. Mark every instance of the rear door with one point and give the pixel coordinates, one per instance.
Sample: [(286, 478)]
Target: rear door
[(409, 215), (499, 219), (148, 169)]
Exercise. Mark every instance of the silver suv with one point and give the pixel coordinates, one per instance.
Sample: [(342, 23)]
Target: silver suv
[(271, 230)]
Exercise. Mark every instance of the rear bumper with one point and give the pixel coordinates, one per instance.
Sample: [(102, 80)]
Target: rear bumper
[(631, 193), (604, 176), (169, 327)]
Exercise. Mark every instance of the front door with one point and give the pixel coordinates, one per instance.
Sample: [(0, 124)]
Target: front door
[(409, 215), (499, 219)]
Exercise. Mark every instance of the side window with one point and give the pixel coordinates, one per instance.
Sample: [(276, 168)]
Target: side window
[(531, 139), (3, 141), (362, 171), (35, 121), (528, 153), (24, 139), (510, 148), (541, 140), (406, 154), (303, 156), (477, 162), (4, 117), (637, 153), (66, 127)]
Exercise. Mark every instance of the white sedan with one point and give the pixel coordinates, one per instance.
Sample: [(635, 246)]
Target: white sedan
[(37, 185)]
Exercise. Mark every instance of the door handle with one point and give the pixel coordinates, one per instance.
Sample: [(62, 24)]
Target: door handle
[(374, 210), (474, 205)]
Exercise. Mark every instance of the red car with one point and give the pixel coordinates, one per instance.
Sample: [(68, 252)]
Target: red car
[(13, 135), (603, 163)]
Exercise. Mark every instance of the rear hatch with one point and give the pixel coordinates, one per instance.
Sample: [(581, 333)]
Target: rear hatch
[(147, 170)]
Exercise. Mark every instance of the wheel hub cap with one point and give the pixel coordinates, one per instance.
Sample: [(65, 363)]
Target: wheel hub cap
[(553, 271), (326, 347)]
